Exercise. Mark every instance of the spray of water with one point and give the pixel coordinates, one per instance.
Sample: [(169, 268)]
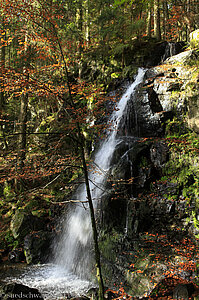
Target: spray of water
[(74, 250)]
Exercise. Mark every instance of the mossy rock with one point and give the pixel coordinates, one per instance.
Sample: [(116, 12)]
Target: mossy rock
[(194, 39), (18, 224), (23, 222), (139, 284)]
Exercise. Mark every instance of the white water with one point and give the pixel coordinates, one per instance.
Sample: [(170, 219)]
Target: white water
[(53, 282), (72, 268), (74, 250)]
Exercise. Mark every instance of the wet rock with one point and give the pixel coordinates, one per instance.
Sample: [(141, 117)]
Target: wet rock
[(140, 118), (16, 255), (181, 292), (92, 293), (123, 145), (162, 51), (159, 154), (172, 49), (154, 101), (37, 247), (19, 292), (80, 298), (141, 164), (132, 163)]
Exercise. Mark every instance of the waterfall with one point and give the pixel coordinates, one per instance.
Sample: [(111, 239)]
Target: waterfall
[(74, 250), (70, 274)]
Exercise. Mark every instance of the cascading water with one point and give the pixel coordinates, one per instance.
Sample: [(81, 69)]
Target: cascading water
[(73, 260), (74, 249)]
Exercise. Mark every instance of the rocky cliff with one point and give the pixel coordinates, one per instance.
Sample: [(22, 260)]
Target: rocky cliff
[(150, 210)]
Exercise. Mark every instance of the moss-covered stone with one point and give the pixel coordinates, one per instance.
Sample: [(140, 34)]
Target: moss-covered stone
[(18, 226), (24, 222), (194, 39)]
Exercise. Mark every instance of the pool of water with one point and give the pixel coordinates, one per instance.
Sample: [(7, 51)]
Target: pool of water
[(52, 281)]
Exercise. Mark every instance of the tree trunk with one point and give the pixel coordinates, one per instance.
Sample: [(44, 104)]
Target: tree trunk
[(165, 18), (148, 28), (23, 128), (157, 31), (87, 20), (23, 113), (94, 227), (79, 24), (2, 95)]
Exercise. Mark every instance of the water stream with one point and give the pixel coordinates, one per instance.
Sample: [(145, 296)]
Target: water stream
[(72, 268)]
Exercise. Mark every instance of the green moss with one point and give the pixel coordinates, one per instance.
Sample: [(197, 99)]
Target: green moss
[(182, 168), (16, 223), (108, 245), (28, 257)]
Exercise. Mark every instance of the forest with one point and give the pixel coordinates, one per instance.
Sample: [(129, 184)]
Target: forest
[(60, 62)]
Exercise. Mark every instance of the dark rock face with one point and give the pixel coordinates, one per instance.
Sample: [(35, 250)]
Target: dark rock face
[(37, 247), (162, 51), (16, 256), (140, 202), (140, 162), (154, 100), (139, 119), (19, 292), (181, 292), (173, 49)]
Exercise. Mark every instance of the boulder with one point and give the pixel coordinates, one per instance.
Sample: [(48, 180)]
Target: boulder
[(19, 292), (183, 57), (181, 292), (174, 87), (194, 39), (22, 223), (192, 97)]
